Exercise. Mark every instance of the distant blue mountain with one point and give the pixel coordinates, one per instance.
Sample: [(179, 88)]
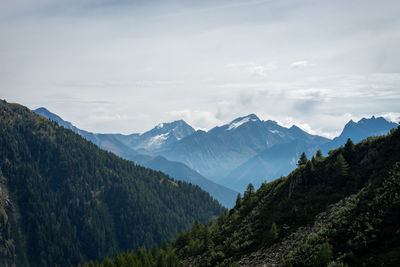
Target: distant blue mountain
[(123, 146), (360, 130), (274, 162), (109, 142), (217, 152), (281, 159)]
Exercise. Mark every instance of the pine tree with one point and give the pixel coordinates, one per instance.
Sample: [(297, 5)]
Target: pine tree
[(271, 235), (238, 201), (341, 166), (319, 155), (249, 191), (303, 159), (349, 146), (324, 255), (309, 167), (273, 232), (348, 149)]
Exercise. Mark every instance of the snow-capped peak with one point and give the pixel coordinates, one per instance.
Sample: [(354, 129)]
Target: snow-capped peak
[(240, 121)]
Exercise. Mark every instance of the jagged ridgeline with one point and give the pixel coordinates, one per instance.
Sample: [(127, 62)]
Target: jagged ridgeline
[(342, 209), (64, 201)]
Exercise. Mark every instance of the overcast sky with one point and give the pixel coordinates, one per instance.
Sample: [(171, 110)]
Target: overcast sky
[(125, 66)]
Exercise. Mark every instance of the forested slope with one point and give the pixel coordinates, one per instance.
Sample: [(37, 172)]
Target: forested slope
[(361, 230), (64, 201)]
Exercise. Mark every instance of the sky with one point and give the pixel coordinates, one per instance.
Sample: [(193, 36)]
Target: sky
[(125, 66)]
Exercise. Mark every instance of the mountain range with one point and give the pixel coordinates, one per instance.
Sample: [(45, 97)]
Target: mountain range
[(246, 150), (132, 146), (222, 149)]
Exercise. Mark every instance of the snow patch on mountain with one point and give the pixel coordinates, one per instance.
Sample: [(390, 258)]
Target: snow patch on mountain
[(236, 124), (156, 141)]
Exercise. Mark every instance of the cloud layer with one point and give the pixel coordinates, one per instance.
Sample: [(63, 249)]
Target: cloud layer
[(121, 66)]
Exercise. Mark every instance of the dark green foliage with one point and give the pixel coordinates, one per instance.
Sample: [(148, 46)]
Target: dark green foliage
[(365, 230), (318, 154), (163, 258), (272, 234), (238, 202), (289, 203), (7, 243), (249, 191), (303, 159), (341, 167), (79, 203), (324, 255)]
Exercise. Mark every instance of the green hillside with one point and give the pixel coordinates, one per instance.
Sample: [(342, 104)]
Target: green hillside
[(64, 201), (343, 208)]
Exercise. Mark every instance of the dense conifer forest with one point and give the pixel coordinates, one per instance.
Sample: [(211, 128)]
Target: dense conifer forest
[(64, 201)]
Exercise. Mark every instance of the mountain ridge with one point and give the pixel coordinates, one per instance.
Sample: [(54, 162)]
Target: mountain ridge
[(232, 154), (117, 144), (223, 148)]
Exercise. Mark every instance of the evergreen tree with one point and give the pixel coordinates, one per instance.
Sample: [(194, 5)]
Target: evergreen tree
[(324, 256), (310, 167), (303, 160), (348, 150), (249, 191), (319, 155), (341, 166), (238, 201), (349, 146), (273, 232)]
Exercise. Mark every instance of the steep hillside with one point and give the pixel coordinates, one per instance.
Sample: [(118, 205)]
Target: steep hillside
[(65, 201), (122, 145), (342, 208)]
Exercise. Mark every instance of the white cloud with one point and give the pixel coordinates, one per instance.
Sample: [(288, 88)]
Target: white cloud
[(252, 68), (301, 64), (391, 116), (145, 59)]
